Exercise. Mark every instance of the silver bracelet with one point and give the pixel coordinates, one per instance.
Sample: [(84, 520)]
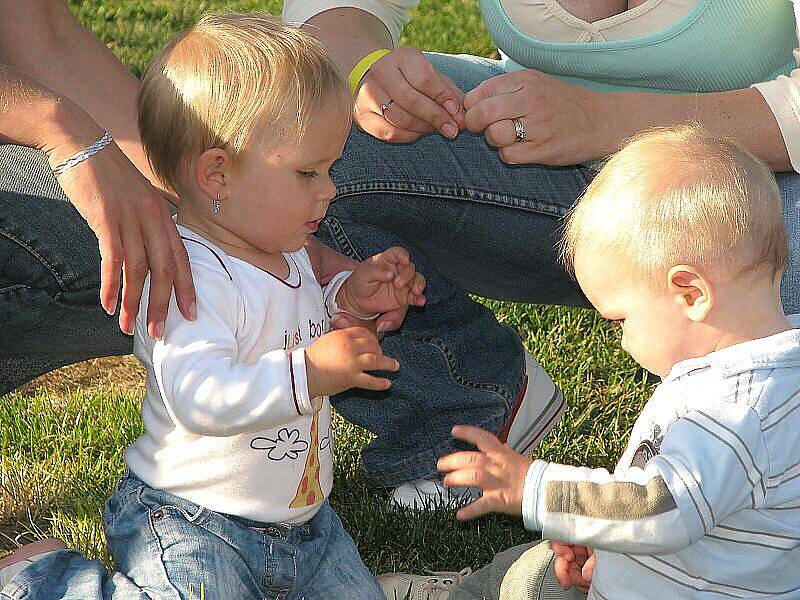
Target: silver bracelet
[(81, 156)]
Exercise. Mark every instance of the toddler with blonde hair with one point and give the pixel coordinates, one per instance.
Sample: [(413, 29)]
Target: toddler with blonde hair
[(679, 241), (226, 493)]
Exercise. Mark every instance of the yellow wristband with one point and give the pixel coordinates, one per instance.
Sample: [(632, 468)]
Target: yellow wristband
[(361, 68)]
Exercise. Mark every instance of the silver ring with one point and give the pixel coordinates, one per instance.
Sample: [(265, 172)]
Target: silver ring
[(385, 106), (519, 130)]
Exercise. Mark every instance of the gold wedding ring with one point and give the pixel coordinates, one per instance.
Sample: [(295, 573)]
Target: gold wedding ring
[(519, 130)]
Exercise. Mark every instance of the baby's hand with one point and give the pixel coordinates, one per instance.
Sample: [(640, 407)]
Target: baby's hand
[(495, 468), (573, 565), (338, 360), (382, 283)]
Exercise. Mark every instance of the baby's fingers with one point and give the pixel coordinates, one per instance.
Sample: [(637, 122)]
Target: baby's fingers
[(404, 276), (370, 382), (485, 441), (378, 362), (561, 568), (475, 509), (395, 255), (562, 550), (460, 460)]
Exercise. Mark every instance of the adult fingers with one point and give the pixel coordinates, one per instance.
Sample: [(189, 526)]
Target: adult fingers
[(346, 321), (396, 115), (416, 87), (182, 281), (494, 109), (110, 268), (485, 441), (419, 284), (458, 94), (502, 133), (380, 128), (161, 264), (423, 76), (404, 276), (524, 153), (134, 271), (507, 83), (396, 255)]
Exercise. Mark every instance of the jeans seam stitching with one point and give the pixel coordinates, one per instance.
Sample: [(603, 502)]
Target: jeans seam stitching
[(452, 363), (157, 539), (342, 240), (38, 256), (16, 286), (450, 193)]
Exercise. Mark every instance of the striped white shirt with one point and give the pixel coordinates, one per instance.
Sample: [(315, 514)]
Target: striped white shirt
[(705, 502)]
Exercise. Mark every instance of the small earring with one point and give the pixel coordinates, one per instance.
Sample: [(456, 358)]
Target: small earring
[(216, 205)]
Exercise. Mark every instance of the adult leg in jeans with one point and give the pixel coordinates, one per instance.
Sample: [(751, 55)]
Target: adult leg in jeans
[(471, 224), (50, 312), (489, 228)]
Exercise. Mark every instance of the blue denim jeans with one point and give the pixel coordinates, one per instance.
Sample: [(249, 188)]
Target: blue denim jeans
[(170, 548)]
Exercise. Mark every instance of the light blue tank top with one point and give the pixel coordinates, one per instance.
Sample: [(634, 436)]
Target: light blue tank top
[(719, 45)]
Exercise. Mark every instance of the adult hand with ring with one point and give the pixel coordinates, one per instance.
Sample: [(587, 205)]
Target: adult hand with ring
[(531, 117), (385, 106), (403, 97)]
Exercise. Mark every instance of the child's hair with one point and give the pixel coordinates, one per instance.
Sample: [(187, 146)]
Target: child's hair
[(681, 196), (231, 79)]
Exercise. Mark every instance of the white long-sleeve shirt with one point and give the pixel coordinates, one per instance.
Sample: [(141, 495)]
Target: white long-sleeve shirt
[(229, 423), (546, 20), (705, 501)]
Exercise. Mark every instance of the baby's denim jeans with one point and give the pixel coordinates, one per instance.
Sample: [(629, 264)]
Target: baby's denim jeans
[(170, 548)]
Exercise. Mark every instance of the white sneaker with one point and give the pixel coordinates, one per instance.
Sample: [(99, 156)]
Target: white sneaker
[(431, 494), (537, 409), (25, 556), (434, 586)]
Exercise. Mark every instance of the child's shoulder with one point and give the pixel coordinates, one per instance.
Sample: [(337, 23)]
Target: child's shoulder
[(205, 258)]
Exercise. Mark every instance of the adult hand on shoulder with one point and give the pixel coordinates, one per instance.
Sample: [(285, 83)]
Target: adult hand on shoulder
[(136, 233), (420, 99), (564, 124)]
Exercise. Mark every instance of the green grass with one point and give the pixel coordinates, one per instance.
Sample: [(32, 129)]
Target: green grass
[(60, 452)]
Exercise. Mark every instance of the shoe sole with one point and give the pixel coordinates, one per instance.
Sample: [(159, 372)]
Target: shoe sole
[(31, 550)]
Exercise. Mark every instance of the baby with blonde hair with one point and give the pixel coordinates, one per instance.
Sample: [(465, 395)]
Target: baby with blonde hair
[(226, 493), (678, 241)]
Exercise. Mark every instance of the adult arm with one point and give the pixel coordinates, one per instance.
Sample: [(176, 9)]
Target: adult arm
[(129, 217), (422, 99), (568, 125)]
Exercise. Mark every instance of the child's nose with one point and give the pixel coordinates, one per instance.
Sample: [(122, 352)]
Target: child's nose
[(328, 192)]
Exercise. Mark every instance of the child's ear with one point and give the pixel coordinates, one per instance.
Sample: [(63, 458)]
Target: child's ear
[(691, 290), (212, 170)]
